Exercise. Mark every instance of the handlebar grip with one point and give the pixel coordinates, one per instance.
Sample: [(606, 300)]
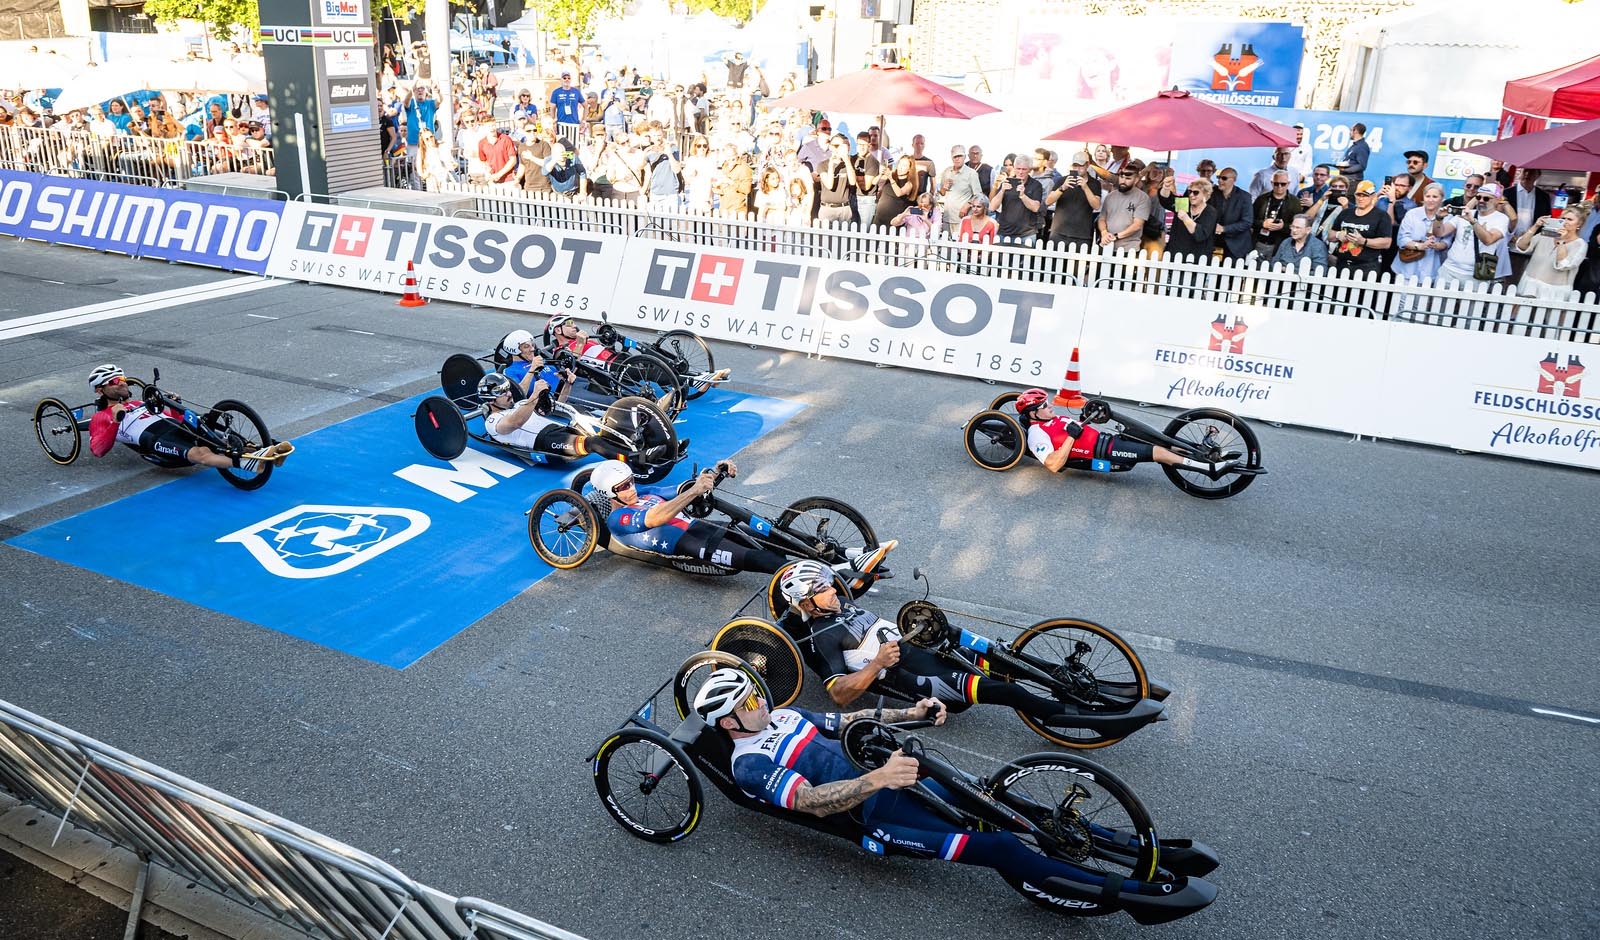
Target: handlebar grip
[(913, 725)]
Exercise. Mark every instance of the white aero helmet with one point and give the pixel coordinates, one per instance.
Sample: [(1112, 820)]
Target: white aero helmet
[(560, 320), (512, 344), (803, 579), (101, 375), (608, 475), (725, 690)]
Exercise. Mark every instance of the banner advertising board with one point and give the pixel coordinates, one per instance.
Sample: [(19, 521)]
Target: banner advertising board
[(1278, 365), (1011, 331), (230, 232)]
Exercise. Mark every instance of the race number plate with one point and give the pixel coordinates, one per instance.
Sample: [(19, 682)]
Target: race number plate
[(760, 526), (1103, 466)]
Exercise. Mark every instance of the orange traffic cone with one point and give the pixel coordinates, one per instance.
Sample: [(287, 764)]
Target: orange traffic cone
[(411, 298), (1071, 394)]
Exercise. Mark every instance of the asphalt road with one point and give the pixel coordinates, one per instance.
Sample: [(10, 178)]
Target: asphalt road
[(1357, 645)]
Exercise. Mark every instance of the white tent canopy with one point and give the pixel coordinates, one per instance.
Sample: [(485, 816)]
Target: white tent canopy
[(1455, 56)]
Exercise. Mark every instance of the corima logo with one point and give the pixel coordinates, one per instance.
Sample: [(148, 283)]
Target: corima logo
[(322, 541), (1225, 338), (1569, 376), (1234, 73), (712, 279)]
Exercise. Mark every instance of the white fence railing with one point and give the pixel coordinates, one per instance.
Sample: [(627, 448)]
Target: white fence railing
[(148, 161), (293, 874)]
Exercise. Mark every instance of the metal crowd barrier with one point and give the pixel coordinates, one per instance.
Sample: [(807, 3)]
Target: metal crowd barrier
[(146, 161), (295, 875)]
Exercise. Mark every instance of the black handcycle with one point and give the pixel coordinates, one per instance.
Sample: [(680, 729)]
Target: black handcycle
[(1099, 680), (684, 354), (565, 526), (997, 440), (648, 775), (230, 428)]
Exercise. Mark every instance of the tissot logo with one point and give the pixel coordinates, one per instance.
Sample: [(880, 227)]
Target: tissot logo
[(335, 233), (1568, 377), (708, 278), (1234, 73)]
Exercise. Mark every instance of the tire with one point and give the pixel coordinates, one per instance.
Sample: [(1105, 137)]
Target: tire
[(687, 680), (563, 529), (834, 529), (643, 375), (639, 420), (1107, 676), (770, 651), (1004, 400), (995, 440), (648, 785), (441, 430), (778, 605), (244, 431), (1036, 787), (690, 355), (1229, 433), (57, 430)]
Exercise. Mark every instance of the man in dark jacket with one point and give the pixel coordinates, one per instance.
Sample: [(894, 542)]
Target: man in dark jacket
[(1237, 215)]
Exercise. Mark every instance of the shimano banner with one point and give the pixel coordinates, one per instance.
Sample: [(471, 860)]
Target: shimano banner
[(957, 324), (515, 267), (228, 232)]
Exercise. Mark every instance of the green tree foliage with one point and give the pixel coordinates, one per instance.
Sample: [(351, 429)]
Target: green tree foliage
[(222, 15), (576, 19), (740, 10)]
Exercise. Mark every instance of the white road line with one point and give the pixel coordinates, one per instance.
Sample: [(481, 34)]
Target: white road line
[(143, 303), (361, 332), (260, 316), (1555, 714)]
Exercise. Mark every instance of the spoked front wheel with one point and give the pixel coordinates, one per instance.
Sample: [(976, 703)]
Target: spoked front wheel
[(1090, 666), (832, 528), (57, 430), (563, 529), (646, 783), (1095, 821), (691, 356), (995, 441), (645, 376), (1213, 435), (243, 432)]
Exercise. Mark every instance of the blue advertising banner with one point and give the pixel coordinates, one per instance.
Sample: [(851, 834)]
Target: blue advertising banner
[(230, 232), (362, 542), (1239, 63), (1388, 135)]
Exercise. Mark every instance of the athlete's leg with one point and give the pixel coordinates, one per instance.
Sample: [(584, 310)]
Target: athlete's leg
[(931, 675), (711, 542), (568, 442)]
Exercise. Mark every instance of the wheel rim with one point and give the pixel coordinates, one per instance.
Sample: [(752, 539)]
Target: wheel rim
[(833, 534), (694, 356), (1071, 803), (766, 648), (243, 434), (664, 805), (561, 532), (1210, 440), (57, 431), (993, 441), (1103, 675)]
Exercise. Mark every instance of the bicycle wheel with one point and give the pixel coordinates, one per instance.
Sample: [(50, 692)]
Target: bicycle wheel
[(767, 648), (1094, 668), (832, 528), (692, 674), (778, 605), (1213, 434), (1004, 400), (645, 376), (1098, 822), (651, 433), (647, 784), (995, 440), (57, 430), (690, 355), (242, 432), (563, 529)]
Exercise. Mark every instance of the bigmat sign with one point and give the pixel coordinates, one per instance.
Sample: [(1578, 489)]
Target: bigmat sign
[(227, 232), (960, 325)]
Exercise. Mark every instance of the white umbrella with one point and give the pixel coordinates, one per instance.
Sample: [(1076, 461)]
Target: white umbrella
[(32, 70), (107, 80), (200, 75)]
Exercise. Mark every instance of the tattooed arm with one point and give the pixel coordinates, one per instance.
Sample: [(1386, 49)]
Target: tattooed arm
[(842, 795), (925, 708)]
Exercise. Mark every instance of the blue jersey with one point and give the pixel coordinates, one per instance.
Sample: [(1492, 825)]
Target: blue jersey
[(627, 522), (519, 368), (566, 101), (796, 747)]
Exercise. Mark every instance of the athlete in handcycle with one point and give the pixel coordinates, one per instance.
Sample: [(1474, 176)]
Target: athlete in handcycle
[(670, 527), (521, 358), (608, 354), (1064, 832), (1074, 683), (161, 428)]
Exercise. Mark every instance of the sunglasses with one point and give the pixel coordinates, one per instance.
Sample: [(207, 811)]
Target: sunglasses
[(119, 380), (620, 487)]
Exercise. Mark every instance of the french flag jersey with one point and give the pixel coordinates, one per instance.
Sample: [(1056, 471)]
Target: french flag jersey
[(797, 747)]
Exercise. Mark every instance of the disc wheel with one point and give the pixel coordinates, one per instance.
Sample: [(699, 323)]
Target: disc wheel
[(1004, 400), (243, 432), (1212, 434), (642, 375), (690, 355), (778, 605), (649, 431), (770, 651), (692, 674), (833, 528), (994, 440), (57, 430), (1097, 820), (1093, 668), (647, 784), (563, 529)]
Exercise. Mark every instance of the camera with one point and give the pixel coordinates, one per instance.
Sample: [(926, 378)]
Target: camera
[(1452, 210), (1073, 174)]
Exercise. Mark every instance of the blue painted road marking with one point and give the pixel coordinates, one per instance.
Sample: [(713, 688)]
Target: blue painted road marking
[(361, 542)]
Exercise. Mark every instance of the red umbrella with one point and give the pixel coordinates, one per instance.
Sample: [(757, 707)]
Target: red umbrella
[(1176, 120), (1563, 147), (885, 90)]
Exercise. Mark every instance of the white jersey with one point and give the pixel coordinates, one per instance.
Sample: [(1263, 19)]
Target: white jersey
[(508, 433), (134, 421)]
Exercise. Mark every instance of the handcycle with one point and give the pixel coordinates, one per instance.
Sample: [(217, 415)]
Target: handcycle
[(443, 424), (1104, 690), (649, 780), (230, 428), (566, 525), (684, 353), (998, 440), (640, 376)]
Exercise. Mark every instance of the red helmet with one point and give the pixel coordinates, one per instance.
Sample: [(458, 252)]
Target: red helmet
[(1031, 399)]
